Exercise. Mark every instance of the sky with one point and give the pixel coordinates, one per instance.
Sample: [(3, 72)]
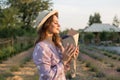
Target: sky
[(75, 13)]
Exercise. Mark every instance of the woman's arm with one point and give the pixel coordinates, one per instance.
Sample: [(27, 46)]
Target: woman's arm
[(42, 59)]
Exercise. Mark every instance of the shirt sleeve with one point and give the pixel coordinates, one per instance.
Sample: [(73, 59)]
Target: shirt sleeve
[(42, 58)]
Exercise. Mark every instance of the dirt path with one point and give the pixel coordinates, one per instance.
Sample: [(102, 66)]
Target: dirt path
[(19, 67), (28, 72)]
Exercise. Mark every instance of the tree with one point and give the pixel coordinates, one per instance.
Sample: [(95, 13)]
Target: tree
[(29, 9), (1, 15), (18, 17), (94, 19), (116, 22), (9, 22), (9, 17)]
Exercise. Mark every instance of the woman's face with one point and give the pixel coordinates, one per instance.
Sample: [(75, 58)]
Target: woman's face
[(54, 27)]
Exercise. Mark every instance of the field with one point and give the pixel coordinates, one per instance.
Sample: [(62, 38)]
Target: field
[(92, 64)]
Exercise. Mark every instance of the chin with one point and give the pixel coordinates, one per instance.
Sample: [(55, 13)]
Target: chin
[(57, 32)]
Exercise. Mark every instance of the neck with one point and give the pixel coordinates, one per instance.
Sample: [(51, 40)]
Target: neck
[(49, 38)]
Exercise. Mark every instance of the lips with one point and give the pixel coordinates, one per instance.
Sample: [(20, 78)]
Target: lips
[(58, 29)]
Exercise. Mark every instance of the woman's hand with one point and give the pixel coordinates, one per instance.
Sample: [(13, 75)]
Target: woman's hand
[(76, 52), (68, 52)]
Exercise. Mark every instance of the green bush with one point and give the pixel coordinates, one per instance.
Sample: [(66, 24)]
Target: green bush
[(13, 32), (109, 55), (88, 64), (14, 68), (4, 54), (1, 56), (24, 61), (111, 65), (68, 75), (118, 69), (100, 74), (17, 48), (4, 75), (88, 37), (119, 59), (114, 57), (13, 50), (93, 68)]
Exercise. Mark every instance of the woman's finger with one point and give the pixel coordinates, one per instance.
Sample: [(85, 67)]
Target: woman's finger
[(77, 52), (67, 47), (70, 48)]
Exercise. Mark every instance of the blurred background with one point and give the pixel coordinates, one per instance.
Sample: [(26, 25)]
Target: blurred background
[(97, 21)]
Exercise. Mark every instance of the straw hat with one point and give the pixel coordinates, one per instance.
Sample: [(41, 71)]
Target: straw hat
[(42, 17)]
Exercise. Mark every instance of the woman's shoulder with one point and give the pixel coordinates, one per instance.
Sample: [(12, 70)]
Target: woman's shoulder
[(42, 44)]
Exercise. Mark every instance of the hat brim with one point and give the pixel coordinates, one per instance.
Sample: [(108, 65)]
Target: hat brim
[(46, 17)]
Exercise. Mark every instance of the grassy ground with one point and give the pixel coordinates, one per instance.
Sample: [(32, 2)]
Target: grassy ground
[(92, 64)]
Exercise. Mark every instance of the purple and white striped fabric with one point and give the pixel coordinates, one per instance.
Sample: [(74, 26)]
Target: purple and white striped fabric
[(48, 61)]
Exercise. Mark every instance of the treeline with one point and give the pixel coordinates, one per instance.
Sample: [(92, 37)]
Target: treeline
[(17, 16)]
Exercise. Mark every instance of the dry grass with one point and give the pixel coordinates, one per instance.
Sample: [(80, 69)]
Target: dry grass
[(12, 65)]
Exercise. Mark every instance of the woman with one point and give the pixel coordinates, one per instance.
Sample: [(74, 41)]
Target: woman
[(49, 56)]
